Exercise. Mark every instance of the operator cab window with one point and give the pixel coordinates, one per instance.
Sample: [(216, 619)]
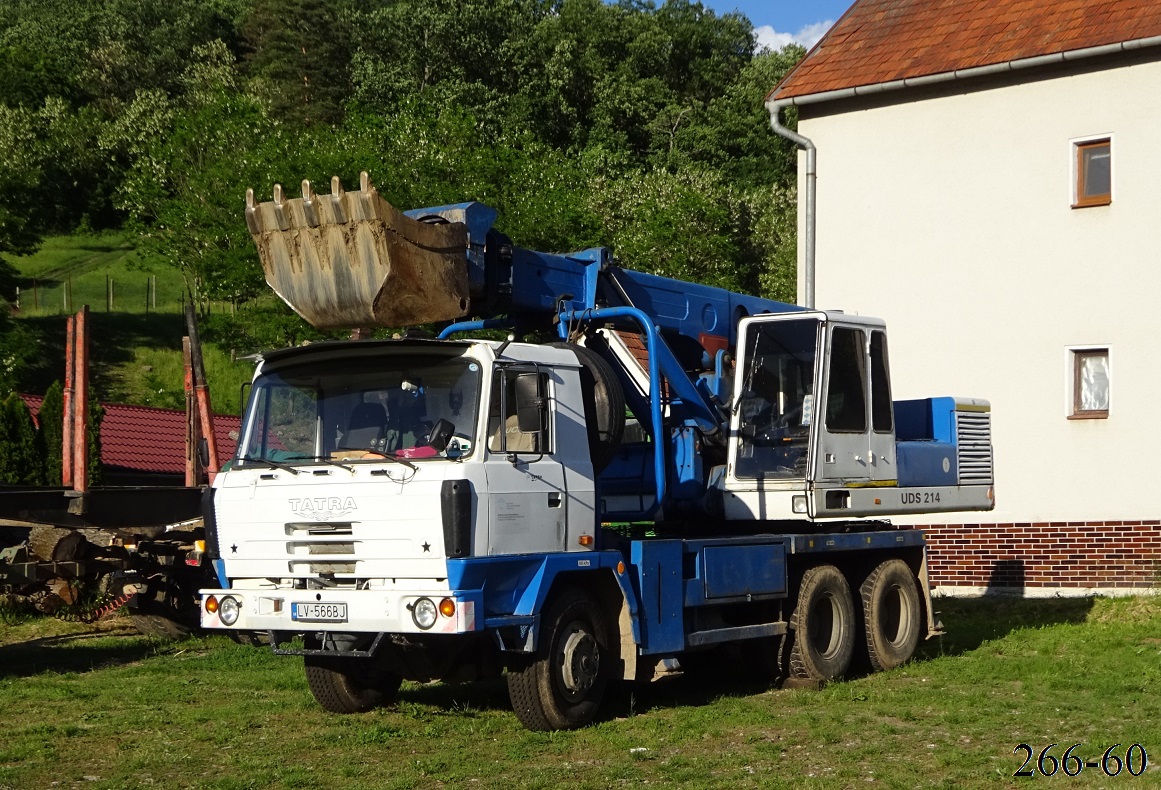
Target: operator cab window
[(776, 403), (285, 423)]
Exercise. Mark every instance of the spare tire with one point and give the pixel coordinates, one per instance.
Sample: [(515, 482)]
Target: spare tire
[(604, 405)]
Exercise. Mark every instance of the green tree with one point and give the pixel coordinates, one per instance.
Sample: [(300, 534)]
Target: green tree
[(20, 464), (49, 432), (142, 45), (43, 46), (20, 178), (297, 55), (731, 132), (96, 415)]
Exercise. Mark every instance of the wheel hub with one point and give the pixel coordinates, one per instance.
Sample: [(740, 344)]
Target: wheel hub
[(582, 661)]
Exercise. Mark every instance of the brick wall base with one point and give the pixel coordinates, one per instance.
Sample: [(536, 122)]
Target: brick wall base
[(1104, 555)]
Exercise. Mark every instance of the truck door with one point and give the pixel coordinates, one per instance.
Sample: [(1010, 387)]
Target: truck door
[(527, 499), (843, 441), (881, 454), (857, 440)]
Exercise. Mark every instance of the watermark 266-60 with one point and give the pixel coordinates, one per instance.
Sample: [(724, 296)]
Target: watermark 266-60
[(1133, 761)]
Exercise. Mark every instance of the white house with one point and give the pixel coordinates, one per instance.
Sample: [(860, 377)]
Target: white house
[(989, 182)]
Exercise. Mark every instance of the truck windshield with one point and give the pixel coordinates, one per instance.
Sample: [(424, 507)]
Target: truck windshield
[(364, 409), (776, 403)]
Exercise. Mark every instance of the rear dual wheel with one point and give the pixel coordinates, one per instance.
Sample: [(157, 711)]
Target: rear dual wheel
[(891, 614), (825, 630), (823, 626)]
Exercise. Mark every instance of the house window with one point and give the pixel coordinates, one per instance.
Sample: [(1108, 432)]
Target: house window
[(1090, 384), (1094, 173)]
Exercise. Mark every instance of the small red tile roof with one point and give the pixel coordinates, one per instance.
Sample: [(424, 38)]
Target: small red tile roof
[(145, 439), (879, 41)]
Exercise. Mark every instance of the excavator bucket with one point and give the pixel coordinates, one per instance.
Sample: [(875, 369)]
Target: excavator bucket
[(352, 260)]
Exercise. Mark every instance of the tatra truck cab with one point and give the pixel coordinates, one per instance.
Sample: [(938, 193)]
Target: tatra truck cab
[(681, 467)]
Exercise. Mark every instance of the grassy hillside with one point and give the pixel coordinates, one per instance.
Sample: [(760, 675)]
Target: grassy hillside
[(69, 271), (135, 339)]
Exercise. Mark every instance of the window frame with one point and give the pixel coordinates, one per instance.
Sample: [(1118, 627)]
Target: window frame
[(1076, 357), (879, 379), (834, 422), (1079, 147), (502, 376)]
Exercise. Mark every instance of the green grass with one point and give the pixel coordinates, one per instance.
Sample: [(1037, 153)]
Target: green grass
[(136, 358), (155, 377), (116, 710), (84, 263), (135, 348)]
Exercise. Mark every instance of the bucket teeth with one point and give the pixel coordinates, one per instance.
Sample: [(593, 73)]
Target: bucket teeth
[(337, 200), (353, 260), (253, 218), (280, 209), (308, 206)]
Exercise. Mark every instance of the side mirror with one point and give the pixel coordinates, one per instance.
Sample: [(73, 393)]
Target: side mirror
[(243, 398), (203, 452), (531, 410)]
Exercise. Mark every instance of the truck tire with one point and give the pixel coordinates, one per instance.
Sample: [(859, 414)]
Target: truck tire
[(891, 614), (349, 685), (161, 627), (604, 405), (562, 687), (823, 626)]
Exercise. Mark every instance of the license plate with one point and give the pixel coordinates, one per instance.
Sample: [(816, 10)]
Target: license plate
[(319, 612)]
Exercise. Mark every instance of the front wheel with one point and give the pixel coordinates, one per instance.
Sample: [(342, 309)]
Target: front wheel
[(349, 685), (562, 687)]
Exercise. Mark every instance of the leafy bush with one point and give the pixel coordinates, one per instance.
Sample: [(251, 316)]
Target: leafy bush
[(20, 463)]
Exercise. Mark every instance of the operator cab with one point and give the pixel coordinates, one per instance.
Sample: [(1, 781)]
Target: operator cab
[(813, 402)]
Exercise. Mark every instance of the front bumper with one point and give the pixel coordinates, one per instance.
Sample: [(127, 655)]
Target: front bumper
[(366, 611)]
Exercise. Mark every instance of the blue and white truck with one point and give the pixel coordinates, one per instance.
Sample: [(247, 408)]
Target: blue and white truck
[(668, 468)]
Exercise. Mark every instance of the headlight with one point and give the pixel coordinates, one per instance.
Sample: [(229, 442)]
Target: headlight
[(228, 610), (424, 613)]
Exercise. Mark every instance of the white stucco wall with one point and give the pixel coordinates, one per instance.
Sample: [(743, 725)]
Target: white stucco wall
[(951, 219)]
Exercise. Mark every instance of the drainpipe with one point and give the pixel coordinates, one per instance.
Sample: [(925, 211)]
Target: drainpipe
[(775, 108)]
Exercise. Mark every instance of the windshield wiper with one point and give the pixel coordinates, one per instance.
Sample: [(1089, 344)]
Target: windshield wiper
[(387, 454), (268, 462), (322, 459), (393, 457)]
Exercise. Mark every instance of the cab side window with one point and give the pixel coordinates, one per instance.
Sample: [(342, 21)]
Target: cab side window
[(882, 414), (509, 438)]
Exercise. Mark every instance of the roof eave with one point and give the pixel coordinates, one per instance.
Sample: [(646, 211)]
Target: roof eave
[(774, 103)]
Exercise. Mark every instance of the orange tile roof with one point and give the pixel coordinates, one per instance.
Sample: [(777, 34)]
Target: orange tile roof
[(880, 41)]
